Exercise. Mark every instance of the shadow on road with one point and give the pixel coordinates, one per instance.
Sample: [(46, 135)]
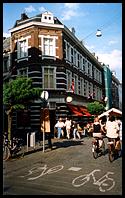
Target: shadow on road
[(67, 143)]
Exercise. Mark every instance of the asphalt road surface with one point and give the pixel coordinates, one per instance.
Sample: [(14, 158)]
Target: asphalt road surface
[(69, 169)]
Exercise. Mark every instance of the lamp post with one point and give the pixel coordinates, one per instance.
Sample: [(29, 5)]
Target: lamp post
[(106, 102), (44, 96)]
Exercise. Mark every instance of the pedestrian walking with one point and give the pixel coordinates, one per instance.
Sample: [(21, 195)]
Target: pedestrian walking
[(45, 126), (68, 127), (59, 125), (75, 130)]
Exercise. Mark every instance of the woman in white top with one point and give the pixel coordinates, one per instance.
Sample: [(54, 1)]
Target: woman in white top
[(112, 128), (59, 125), (68, 127)]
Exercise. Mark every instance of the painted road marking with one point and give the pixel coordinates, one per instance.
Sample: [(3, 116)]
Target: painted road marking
[(74, 168)]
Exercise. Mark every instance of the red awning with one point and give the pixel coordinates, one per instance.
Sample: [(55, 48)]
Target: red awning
[(78, 110), (84, 111), (74, 110)]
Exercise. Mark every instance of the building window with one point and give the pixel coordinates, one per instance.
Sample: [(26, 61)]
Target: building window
[(69, 80), (75, 56), (81, 86), (86, 67), (72, 57), (23, 72), (49, 78), (22, 48), (68, 52), (78, 60), (83, 67), (48, 46), (5, 65), (75, 84), (85, 87), (64, 52)]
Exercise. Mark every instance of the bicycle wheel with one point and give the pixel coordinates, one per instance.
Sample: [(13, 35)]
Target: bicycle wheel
[(94, 151), (6, 153)]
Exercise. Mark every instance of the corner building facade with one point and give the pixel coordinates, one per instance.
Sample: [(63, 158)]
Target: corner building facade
[(45, 50)]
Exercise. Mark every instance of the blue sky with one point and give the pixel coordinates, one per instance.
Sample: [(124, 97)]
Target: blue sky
[(86, 18)]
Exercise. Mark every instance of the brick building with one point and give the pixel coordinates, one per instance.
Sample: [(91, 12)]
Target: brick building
[(45, 50)]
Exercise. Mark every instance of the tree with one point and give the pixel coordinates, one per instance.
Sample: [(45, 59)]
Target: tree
[(95, 108), (16, 95)]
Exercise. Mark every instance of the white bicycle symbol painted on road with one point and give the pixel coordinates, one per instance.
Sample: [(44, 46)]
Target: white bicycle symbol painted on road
[(105, 183), (43, 170)]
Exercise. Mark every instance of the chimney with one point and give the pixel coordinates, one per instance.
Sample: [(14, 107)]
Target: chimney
[(24, 16), (73, 30), (93, 53)]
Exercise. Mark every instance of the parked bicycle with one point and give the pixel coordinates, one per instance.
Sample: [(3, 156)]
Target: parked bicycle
[(113, 152), (98, 147), (11, 150)]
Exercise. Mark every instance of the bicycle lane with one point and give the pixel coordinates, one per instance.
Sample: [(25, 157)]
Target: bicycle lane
[(60, 173)]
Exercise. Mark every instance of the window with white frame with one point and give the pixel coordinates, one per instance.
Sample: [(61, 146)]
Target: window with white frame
[(64, 55), (69, 80), (78, 60), (72, 57), (83, 62), (49, 77), (22, 48), (85, 87), (6, 64), (23, 72), (86, 67), (75, 84), (95, 88), (68, 52), (81, 86), (75, 56), (49, 46), (89, 89), (100, 77)]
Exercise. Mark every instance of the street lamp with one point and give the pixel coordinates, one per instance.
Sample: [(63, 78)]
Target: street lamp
[(44, 96), (106, 102), (98, 33)]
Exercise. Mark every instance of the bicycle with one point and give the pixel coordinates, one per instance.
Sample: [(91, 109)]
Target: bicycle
[(96, 148), (10, 150), (105, 183), (112, 151)]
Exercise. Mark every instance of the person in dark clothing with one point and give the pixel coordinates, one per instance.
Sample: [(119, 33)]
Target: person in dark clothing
[(48, 137), (97, 131)]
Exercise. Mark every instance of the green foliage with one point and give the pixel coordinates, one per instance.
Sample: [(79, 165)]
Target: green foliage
[(95, 108), (18, 92)]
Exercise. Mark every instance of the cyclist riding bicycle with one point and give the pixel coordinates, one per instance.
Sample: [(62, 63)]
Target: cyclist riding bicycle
[(112, 128), (97, 133)]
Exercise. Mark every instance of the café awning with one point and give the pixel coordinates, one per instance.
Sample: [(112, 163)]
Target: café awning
[(78, 110), (112, 111)]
